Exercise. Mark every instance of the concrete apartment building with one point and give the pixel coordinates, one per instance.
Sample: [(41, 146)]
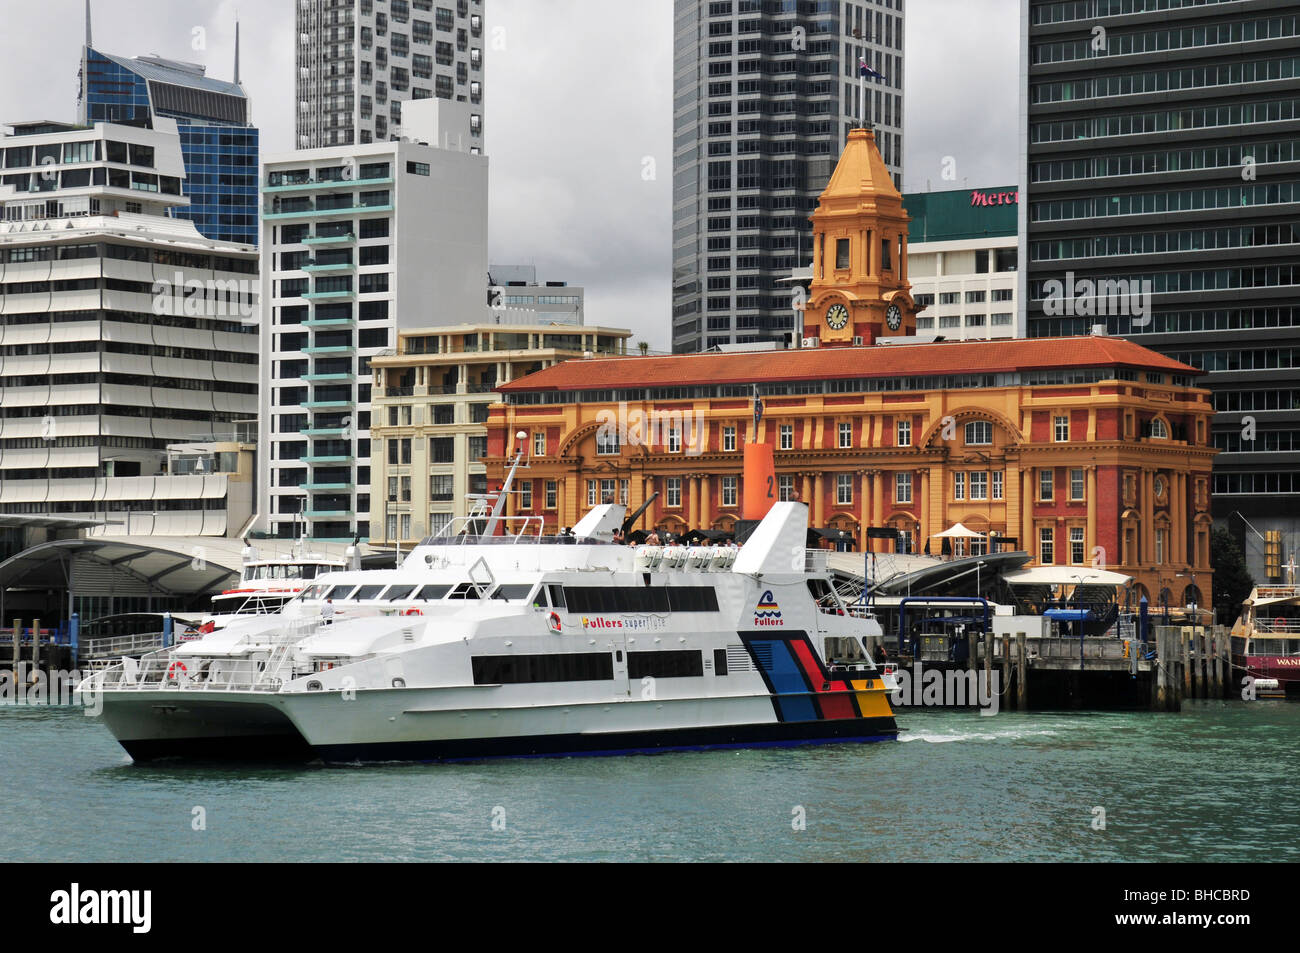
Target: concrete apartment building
[(358, 243), (358, 61), (429, 425), (123, 334), (962, 254), (764, 95)]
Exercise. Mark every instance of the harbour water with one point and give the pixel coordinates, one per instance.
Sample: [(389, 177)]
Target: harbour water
[(1214, 783)]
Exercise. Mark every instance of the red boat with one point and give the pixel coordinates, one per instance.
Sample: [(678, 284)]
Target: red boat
[(1266, 640)]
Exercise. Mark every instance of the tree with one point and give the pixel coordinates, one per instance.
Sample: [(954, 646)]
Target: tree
[(643, 347), (1232, 580)]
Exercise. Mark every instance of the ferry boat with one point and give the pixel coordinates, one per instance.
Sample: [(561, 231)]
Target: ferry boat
[(1266, 639), (267, 584), (485, 644)]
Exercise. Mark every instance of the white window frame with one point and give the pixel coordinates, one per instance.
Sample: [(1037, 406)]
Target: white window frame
[(997, 479), (785, 435), (526, 494), (979, 424), (785, 487), (552, 494), (1077, 539), (845, 436), (1047, 481), (593, 493), (728, 491), (979, 485), (673, 492), (959, 485), (844, 489), (539, 443), (1061, 428), (674, 440), (728, 439), (903, 433), (902, 488), (1047, 546), (1080, 485)]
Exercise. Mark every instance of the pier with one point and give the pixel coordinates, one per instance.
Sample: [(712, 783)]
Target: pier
[(1094, 672)]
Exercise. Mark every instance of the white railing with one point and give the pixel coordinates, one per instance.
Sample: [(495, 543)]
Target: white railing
[(266, 667), (115, 646), (1278, 624)]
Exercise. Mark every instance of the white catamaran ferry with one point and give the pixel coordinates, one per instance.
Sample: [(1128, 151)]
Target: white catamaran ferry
[(488, 645), (267, 584)]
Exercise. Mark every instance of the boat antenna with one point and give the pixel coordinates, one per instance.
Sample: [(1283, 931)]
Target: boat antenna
[(490, 528)]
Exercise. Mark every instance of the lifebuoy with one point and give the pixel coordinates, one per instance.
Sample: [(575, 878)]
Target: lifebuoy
[(413, 612), (553, 621), (171, 669), (1279, 623)]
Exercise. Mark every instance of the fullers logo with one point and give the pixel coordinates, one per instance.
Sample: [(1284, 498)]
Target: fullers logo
[(768, 611), (99, 907), (601, 623)]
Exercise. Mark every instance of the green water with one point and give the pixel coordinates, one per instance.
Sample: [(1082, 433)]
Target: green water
[(1214, 783)]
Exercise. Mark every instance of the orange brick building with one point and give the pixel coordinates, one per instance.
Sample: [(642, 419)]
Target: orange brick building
[(1088, 451)]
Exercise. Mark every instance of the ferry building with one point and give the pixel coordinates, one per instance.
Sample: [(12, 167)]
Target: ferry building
[(1082, 451)]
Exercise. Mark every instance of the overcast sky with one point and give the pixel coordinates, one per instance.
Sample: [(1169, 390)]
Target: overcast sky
[(578, 114)]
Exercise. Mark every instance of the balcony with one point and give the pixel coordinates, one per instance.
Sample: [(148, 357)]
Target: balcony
[(323, 183), (309, 212), (330, 514), (326, 323), (329, 487), (329, 269), (338, 432), (345, 238), (329, 404), (342, 293), (326, 461), (342, 350), (342, 378)]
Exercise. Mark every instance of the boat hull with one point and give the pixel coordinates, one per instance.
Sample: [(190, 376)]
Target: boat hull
[(424, 725)]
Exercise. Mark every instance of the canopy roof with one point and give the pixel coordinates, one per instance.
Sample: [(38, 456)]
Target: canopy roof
[(1065, 576), (958, 531)]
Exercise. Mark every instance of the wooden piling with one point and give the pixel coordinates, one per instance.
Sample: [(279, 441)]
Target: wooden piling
[(988, 663), (1006, 662), (18, 644), (36, 647), (1216, 654), (1184, 643), (1022, 677), (1161, 666)]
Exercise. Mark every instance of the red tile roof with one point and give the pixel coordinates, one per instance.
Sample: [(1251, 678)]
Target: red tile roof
[(826, 363)]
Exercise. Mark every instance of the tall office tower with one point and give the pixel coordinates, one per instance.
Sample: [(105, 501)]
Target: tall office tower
[(218, 139), (359, 242), (123, 331), (1160, 154), (765, 92), (359, 60)]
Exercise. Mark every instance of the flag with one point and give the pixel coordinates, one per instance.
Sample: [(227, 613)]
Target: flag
[(866, 71)]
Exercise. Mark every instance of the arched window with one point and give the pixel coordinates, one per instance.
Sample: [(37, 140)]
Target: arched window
[(979, 433), (1159, 430)]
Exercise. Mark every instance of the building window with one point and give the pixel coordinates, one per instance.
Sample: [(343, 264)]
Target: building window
[(846, 436), (1160, 547), (1062, 426), (674, 491), (1076, 545), (526, 495), (552, 494), (1076, 484), (1046, 483), (728, 491), (959, 486), (902, 488), (979, 486), (979, 433), (728, 438), (843, 488), (624, 489), (674, 441), (1045, 546), (1158, 429), (904, 433), (607, 442), (441, 488), (841, 253), (406, 489), (785, 488), (786, 433), (539, 443), (997, 484), (593, 490), (442, 450)]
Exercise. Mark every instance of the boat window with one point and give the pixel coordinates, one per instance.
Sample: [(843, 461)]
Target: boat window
[(311, 592), (516, 669), (466, 590), (557, 596), (844, 648), (641, 599), (398, 592), (433, 593), (664, 664), (341, 592), (307, 572), (368, 592), (514, 592)]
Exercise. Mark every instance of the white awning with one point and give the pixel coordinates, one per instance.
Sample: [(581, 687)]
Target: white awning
[(1065, 576), (958, 532)]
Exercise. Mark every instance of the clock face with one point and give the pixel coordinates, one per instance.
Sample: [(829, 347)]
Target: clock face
[(894, 317), (837, 316)]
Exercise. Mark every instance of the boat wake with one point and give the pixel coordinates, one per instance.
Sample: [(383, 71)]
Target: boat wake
[(1013, 734)]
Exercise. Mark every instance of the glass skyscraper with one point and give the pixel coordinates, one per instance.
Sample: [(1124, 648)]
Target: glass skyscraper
[(765, 93), (1160, 200), (218, 142)]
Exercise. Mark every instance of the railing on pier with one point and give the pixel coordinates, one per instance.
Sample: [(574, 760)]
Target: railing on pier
[(116, 646)]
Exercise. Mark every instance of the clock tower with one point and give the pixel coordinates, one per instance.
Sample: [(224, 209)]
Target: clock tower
[(859, 285)]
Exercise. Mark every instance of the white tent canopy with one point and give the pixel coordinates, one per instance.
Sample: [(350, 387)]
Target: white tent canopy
[(1065, 576), (958, 531)]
